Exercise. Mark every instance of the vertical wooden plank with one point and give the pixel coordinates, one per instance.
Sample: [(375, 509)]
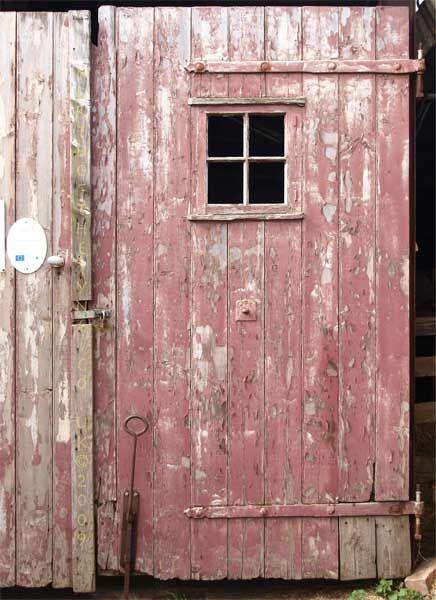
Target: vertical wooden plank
[(392, 282), (80, 106), (172, 309), (357, 260), (357, 549), (356, 292), (135, 261), (246, 339), (7, 302), (82, 505), (34, 304), (209, 41), (246, 42), (82, 493), (320, 292), (393, 547), (103, 181), (209, 394), (61, 532), (320, 548), (246, 397), (283, 320)]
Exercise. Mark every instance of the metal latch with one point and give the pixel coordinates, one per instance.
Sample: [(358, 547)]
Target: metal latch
[(94, 313)]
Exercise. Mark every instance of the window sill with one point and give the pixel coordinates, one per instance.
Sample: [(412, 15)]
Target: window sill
[(247, 216)]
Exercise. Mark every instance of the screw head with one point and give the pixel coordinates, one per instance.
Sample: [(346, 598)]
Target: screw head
[(199, 67)]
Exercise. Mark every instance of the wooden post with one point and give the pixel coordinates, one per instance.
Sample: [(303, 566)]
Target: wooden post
[(82, 492)]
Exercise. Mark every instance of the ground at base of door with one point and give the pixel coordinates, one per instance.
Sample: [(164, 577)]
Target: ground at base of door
[(110, 588)]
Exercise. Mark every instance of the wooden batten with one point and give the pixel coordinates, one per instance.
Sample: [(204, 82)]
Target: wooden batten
[(80, 39)]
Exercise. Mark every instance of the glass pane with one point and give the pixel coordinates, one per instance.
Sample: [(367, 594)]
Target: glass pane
[(267, 135), (225, 135), (225, 183), (267, 183)]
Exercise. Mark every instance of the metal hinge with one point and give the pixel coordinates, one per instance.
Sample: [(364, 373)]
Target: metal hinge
[(94, 313)]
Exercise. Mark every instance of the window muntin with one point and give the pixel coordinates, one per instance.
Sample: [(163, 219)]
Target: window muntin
[(246, 162)]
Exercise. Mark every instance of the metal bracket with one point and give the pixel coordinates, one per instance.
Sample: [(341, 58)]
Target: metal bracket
[(94, 313)]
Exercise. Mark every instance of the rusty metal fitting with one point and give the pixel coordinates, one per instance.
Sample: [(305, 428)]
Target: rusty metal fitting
[(199, 67), (265, 66)]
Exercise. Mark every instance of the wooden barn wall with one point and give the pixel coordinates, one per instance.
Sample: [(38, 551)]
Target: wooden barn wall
[(345, 385)]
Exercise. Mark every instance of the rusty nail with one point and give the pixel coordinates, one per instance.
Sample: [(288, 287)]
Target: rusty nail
[(397, 66), (246, 311), (331, 66), (199, 66), (265, 66)]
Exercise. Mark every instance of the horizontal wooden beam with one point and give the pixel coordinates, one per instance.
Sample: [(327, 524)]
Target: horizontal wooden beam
[(425, 366), (425, 326), (425, 412), (207, 101), (247, 216), (390, 66), (355, 509)]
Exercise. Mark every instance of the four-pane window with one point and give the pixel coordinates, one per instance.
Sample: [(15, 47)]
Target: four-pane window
[(246, 159)]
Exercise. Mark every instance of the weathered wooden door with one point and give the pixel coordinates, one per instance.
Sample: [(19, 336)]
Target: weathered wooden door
[(46, 493), (261, 293)]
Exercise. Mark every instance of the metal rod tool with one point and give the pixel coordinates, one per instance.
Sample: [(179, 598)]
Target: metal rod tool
[(130, 507)]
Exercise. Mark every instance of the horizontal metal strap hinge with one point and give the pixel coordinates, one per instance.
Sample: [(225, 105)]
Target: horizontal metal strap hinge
[(351, 509), (394, 66), (94, 313)]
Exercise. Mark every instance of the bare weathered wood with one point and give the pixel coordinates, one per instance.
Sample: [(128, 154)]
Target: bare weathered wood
[(425, 366), (425, 326), (80, 156), (425, 412), (34, 371), (271, 511), (393, 547), (299, 101), (396, 65), (135, 271), (357, 261), (357, 548), (283, 464), (82, 483), (172, 273), (103, 170), (393, 264), (61, 533), (7, 303), (247, 216)]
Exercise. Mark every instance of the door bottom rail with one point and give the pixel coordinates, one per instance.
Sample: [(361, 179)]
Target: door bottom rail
[(351, 509)]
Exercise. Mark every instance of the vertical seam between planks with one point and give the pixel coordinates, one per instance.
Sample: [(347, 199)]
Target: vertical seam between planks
[(264, 471), (376, 267), (189, 274), (115, 528), (153, 234), (190, 299), (14, 300), (53, 320), (153, 293), (338, 266)]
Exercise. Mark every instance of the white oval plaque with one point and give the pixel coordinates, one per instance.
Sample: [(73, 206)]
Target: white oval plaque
[(26, 245)]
